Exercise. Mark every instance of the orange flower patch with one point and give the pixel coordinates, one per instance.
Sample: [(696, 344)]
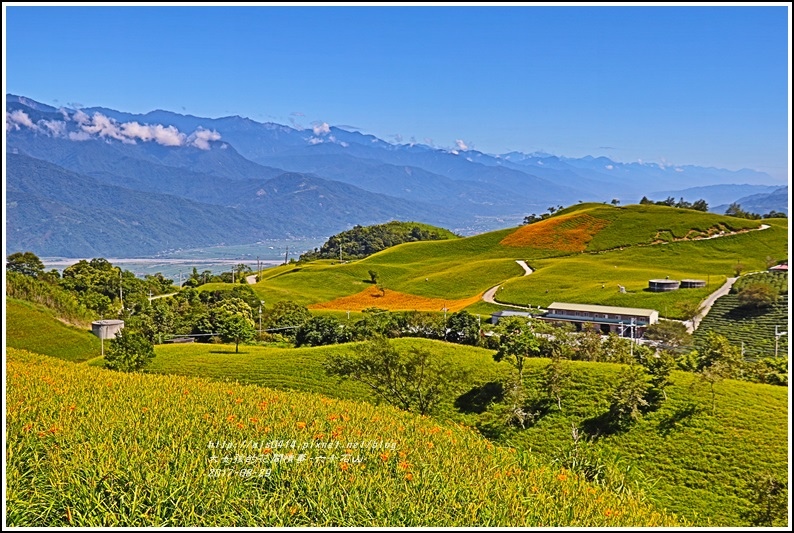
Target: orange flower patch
[(394, 301), (567, 233)]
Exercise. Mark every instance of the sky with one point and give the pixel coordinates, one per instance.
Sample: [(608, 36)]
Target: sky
[(676, 85)]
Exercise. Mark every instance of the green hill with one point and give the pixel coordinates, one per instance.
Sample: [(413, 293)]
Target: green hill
[(91, 447), (34, 327), (363, 241), (706, 482), (574, 254)]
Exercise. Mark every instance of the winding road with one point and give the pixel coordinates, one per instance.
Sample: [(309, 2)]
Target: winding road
[(488, 297)]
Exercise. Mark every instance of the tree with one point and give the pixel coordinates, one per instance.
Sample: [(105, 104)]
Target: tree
[(320, 331), (669, 333), (769, 496), (463, 328), (718, 360), (373, 276), (629, 396), (615, 202), (285, 316), (700, 205), (757, 295), (128, 352), (645, 201), (659, 366), (516, 342), (556, 378), (234, 327), (26, 263), (414, 381)]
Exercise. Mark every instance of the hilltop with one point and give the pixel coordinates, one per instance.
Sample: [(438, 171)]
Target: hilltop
[(580, 254)]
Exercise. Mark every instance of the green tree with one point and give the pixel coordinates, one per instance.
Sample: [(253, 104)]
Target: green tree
[(556, 379), (628, 399), (659, 366), (285, 317), (26, 263), (516, 342), (373, 276), (235, 327), (758, 295), (769, 497), (414, 381), (669, 334), (700, 205), (463, 328), (128, 352), (320, 331)]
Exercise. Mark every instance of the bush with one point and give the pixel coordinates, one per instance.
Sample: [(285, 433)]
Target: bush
[(128, 352)]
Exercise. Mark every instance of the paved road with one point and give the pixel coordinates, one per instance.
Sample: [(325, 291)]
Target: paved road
[(705, 306), (161, 296), (488, 297), (251, 279)]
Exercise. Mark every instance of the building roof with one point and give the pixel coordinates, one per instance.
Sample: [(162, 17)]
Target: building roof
[(107, 322), (779, 267), (507, 312), (606, 309), (670, 281)]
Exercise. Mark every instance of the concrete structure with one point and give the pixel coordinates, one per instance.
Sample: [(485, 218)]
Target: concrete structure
[(693, 283), (779, 268), (663, 285), (106, 329), (625, 321), (505, 313)]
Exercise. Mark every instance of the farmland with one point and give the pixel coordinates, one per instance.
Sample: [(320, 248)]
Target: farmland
[(673, 474), (155, 455)]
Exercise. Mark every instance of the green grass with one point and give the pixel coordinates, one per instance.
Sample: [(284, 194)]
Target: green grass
[(90, 447), (464, 267), (698, 462), (33, 327), (579, 278)]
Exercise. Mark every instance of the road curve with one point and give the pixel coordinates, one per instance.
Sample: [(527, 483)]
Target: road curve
[(705, 305)]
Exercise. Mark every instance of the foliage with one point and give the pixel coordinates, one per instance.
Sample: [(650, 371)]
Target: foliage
[(769, 495), (320, 331), (62, 303), (659, 367), (25, 263), (234, 327), (669, 334), (285, 317), (363, 241), (128, 352), (556, 379), (758, 295), (516, 343), (629, 397), (413, 381), (463, 328)]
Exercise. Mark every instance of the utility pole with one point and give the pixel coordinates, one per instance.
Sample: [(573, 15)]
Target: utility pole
[(232, 275), (286, 255), (340, 252), (261, 303), (121, 290), (777, 337)]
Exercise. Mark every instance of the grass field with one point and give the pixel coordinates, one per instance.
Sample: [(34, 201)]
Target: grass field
[(573, 253), (90, 447), (705, 483), (35, 328)]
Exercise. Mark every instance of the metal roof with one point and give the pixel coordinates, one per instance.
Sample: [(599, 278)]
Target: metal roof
[(606, 309)]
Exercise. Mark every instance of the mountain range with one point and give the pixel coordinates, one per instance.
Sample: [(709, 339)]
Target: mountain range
[(97, 181)]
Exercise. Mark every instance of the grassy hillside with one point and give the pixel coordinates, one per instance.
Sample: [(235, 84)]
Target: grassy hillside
[(706, 483), (35, 328), (573, 253), (90, 447)]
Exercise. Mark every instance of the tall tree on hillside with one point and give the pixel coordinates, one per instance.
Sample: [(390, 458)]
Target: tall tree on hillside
[(26, 263), (516, 342)]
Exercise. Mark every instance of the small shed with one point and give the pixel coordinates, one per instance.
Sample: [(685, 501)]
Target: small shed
[(663, 285), (106, 329), (693, 283)]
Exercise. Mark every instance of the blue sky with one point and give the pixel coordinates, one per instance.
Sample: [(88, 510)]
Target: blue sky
[(678, 85)]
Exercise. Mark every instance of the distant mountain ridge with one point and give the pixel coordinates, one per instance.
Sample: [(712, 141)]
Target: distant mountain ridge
[(317, 181)]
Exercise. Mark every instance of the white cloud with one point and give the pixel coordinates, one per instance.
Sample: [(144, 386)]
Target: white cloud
[(461, 145), (56, 128), (201, 138), (81, 117), (321, 128), (104, 126), (315, 140), (344, 144), (19, 118), (679, 170), (609, 167), (78, 136)]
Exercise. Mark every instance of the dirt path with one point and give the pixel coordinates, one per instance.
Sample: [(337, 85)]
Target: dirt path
[(490, 294), (251, 280)]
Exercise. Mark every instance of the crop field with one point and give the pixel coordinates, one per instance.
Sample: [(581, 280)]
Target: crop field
[(705, 483), (394, 301), (753, 330), (566, 233), (91, 447), (35, 328)]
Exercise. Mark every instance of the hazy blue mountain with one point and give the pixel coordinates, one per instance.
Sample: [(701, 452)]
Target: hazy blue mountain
[(714, 195), (762, 203)]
